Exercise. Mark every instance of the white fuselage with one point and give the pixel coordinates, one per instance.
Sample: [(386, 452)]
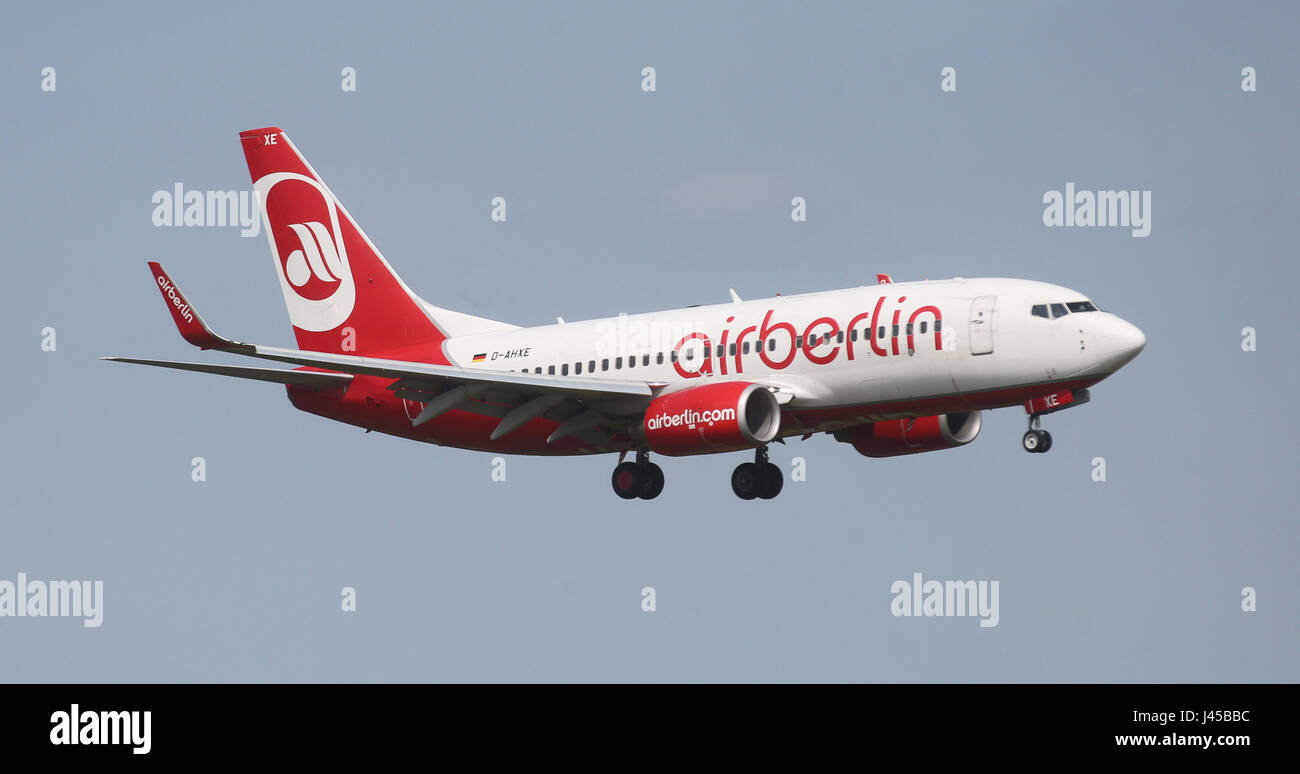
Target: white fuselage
[(967, 337)]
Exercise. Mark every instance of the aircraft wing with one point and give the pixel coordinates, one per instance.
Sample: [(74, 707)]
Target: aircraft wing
[(580, 404), (314, 379)]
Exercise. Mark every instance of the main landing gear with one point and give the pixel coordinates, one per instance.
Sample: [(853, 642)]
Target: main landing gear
[(1036, 440), (759, 478), (642, 478)]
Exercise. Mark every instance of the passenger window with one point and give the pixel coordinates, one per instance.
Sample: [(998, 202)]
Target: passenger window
[(880, 332), (577, 368), (1040, 310), (604, 364), (719, 353), (631, 361), (591, 366), (895, 331), (1058, 310), (673, 356), (744, 348), (909, 329), (659, 358), (938, 325), (923, 324), (731, 350), (537, 370), (618, 362), (690, 354), (771, 345), (645, 360), (550, 370), (564, 369), (798, 343), (853, 335), (839, 337)]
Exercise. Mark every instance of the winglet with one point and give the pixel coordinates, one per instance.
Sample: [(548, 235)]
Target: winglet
[(191, 326), (735, 299), (884, 279)]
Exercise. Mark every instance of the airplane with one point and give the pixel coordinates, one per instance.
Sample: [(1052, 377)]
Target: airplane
[(890, 368)]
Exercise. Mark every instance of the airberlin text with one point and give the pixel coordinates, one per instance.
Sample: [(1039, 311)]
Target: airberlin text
[(821, 341), (690, 418), (182, 308)]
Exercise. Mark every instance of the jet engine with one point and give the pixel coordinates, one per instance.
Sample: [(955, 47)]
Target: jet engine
[(719, 417)]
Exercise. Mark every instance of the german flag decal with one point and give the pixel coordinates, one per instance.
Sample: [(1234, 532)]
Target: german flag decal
[(479, 358)]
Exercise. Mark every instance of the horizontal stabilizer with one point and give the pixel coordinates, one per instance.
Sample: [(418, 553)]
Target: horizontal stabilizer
[(314, 379)]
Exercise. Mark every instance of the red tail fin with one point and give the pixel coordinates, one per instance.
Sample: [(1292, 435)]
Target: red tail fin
[(342, 295)]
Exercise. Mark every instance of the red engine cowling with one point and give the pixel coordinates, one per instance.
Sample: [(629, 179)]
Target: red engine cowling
[(711, 418), (911, 436)]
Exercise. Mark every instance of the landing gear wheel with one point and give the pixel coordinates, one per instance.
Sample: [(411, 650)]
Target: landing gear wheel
[(747, 480), (1037, 441), (654, 481), (629, 480), (773, 481), (1032, 441)]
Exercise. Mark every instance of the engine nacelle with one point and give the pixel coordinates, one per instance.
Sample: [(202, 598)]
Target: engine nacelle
[(711, 418), (911, 436)]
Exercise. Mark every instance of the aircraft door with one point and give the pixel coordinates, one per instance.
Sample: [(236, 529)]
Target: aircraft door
[(981, 325)]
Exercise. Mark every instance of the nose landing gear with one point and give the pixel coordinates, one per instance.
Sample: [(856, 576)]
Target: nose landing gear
[(1036, 440), (759, 478)]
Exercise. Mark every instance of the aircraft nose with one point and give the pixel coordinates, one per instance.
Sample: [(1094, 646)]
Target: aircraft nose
[(1118, 342)]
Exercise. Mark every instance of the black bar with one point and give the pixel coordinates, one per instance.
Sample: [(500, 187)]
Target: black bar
[(218, 723)]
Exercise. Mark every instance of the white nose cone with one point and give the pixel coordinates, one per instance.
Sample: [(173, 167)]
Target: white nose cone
[(1118, 342)]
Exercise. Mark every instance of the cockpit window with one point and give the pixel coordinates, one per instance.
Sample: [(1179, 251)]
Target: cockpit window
[(1053, 311)]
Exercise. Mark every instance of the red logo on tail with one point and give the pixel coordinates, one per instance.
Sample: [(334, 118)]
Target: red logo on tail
[(302, 222)]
